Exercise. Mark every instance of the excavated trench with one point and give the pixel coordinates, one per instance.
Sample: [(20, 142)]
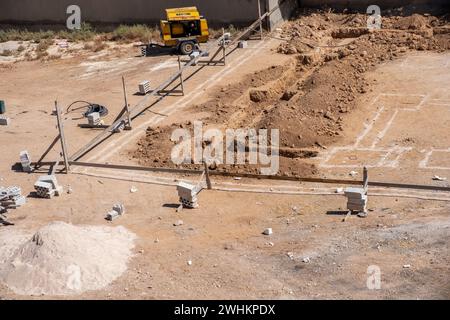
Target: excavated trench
[(308, 99)]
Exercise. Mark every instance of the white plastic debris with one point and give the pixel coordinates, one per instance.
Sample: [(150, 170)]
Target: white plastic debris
[(268, 231), (290, 255), (178, 223), (339, 190), (189, 263), (353, 173), (306, 260), (406, 266), (438, 178), (133, 189)]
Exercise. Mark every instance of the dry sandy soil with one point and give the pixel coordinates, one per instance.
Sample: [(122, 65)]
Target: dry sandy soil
[(393, 117)]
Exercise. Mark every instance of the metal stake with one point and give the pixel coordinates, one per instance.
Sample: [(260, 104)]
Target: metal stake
[(62, 137)]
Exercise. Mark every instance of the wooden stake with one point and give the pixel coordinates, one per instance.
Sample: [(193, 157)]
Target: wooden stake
[(128, 126), (53, 168), (208, 181), (223, 47), (260, 20), (181, 76), (365, 179), (62, 137)]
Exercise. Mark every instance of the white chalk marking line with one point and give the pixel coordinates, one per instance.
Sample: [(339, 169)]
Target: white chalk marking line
[(381, 134), (164, 65), (368, 127), (424, 163), (407, 63)]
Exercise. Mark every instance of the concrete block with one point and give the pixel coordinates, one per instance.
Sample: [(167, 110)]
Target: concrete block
[(119, 208), (353, 192), (19, 201), (47, 187), (188, 194), (4, 121), (242, 44), (144, 87), (25, 160), (50, 179), (94, 118), (13, 191), (112, 215), (194, 55), (357, 202)]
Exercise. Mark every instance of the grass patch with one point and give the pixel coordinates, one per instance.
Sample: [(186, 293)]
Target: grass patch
[(86, 33), (137, 32), (217, 33), (96, 46), (122, 33), (43, 45)]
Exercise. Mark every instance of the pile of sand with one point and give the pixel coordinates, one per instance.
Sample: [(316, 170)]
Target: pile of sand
[(62, 259)]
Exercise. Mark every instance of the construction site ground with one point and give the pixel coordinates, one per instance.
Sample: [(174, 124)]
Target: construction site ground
[(398, 128)]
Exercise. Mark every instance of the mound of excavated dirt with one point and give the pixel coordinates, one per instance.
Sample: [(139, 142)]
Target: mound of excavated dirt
[(62, 259), (308, 99)]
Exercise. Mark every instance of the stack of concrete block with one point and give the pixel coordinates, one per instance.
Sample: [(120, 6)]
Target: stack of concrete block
[(356, 199), (47, 187), (4, 120), (25, 160), (188, 194), (144, 87), (118, 210), (11, 198), (94, 119)]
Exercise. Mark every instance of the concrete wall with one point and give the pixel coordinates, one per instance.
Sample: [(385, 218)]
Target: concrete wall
[(363, 4), (125, 11), (218, 12), (287, 8)]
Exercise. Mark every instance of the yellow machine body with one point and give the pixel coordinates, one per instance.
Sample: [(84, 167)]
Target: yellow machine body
[(184, 24)]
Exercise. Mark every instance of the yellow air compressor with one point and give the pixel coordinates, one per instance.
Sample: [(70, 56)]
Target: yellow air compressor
[(184, 29)]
